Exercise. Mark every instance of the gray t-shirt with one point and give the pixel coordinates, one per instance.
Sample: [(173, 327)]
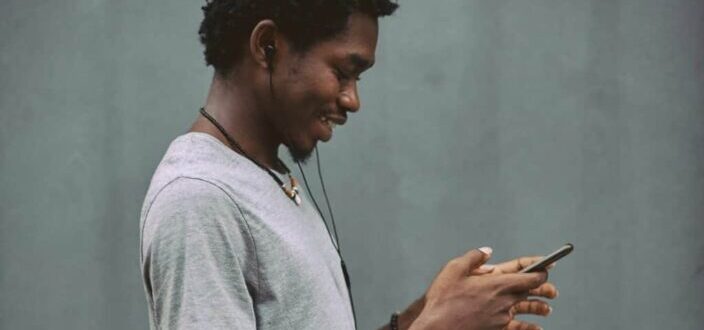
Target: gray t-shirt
[(222, 247)]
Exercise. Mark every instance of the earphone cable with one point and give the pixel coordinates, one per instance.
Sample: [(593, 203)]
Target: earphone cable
[(310, 193), (337, 246), (325, 193)]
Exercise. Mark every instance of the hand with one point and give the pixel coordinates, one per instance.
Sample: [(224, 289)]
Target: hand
[(456, 300), (529, 306)]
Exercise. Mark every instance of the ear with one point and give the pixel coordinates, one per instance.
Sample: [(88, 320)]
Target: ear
[(265, 33)]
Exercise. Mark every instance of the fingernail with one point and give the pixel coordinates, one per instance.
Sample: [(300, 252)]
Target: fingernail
[(549, 310), (486, 267), (486, 250), (557, 293)]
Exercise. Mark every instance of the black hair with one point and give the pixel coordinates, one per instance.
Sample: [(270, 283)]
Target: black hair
[(227, 24)]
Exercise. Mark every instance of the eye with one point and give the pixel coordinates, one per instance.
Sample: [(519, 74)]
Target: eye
[(341, 76), (344, 77)]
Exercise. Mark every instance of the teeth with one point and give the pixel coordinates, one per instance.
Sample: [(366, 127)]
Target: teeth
[(326, 121)]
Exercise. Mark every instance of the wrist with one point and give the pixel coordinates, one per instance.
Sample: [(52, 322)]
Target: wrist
[(424, 321), (408, 316), (393, 323)]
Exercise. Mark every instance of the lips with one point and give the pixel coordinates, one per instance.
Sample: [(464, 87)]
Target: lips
[(328, 122), (332, 120)]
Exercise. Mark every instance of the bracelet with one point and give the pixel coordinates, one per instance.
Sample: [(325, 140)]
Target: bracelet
[(393, 324)]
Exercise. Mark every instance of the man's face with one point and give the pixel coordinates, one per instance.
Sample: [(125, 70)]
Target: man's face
[(315, 90)]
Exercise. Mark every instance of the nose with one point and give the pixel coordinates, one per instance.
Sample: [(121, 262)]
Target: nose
[(349, 99)]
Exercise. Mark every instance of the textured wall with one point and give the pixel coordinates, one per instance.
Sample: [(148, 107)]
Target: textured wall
[(516, 124)]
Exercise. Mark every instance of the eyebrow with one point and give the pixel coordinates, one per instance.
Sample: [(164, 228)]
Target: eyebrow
[(360, 62)]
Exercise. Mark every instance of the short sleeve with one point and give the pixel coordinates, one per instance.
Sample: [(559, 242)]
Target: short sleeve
[(199, 263)]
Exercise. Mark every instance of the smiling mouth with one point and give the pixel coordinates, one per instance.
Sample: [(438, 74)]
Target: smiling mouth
[(331, 121), (327, 122)]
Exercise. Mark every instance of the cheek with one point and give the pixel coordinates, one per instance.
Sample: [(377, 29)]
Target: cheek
[(315, 89)]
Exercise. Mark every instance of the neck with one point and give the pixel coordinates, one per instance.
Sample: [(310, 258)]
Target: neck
[(235, 107)]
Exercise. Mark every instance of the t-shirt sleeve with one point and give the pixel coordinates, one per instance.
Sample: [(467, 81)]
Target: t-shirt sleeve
[(197, 259)]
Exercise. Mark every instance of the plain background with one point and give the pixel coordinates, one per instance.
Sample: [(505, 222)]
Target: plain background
[(520, 125)]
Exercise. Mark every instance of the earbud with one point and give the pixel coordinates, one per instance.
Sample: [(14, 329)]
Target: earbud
[(269, 52)]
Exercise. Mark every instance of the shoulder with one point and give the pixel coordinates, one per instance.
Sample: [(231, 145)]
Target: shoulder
[(192, 191), (192, 201), (192, 210), (198, 156)]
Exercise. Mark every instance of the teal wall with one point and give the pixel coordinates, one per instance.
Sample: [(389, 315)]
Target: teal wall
[(516, 124)]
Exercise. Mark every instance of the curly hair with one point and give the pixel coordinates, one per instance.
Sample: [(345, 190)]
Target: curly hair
[(227, 24)]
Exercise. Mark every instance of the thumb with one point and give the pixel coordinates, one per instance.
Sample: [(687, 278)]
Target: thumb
[(473, 259)]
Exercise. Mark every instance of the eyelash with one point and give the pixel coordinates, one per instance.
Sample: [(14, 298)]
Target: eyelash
[(341, 76)]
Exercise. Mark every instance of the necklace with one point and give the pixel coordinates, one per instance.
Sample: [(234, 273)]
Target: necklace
[(292, 192)]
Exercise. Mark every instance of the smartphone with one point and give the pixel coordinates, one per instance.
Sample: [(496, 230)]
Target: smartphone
[(555, 256)]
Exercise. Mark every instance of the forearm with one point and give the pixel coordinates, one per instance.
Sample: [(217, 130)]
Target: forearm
[(406, 318)]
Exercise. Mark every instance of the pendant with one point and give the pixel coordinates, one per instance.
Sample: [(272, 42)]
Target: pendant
[(292, 193), (297, 199), (295, 194)]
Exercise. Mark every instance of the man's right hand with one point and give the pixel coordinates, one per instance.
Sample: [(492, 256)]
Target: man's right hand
[(456, 300)]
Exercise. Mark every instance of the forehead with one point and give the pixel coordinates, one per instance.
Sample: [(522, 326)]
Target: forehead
[(356, 42)]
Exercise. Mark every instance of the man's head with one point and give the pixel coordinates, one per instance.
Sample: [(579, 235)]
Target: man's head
[(309, 81)]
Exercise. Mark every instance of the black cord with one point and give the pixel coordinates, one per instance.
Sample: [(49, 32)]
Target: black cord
[(325, 193), (310, 192), (332, 217), (233, 144)]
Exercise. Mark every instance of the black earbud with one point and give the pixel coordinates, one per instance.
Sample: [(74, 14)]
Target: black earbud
[(269, 52)]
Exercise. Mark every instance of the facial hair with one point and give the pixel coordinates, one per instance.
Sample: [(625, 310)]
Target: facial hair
[(299, 155)]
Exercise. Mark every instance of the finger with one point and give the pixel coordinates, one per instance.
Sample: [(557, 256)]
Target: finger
[(522, 325), (515, 283), (515, 265), (546, 290), (466, 264), (532, 306), (483, 269)]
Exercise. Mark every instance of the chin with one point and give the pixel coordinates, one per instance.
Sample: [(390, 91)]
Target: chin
[(300, 154)]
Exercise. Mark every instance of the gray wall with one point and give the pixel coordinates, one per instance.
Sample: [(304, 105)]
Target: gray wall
[(516, 124)]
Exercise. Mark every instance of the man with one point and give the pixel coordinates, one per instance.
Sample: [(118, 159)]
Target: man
[(227, 239)]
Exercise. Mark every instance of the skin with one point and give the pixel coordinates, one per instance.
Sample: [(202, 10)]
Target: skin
[(466, 294)]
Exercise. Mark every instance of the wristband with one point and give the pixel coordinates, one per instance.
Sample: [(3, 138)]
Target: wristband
[(393, 324)]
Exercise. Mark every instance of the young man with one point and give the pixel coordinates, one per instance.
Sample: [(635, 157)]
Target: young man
[(228, 241)]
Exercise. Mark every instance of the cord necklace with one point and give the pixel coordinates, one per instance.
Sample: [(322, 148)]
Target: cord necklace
[(292, 192)]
